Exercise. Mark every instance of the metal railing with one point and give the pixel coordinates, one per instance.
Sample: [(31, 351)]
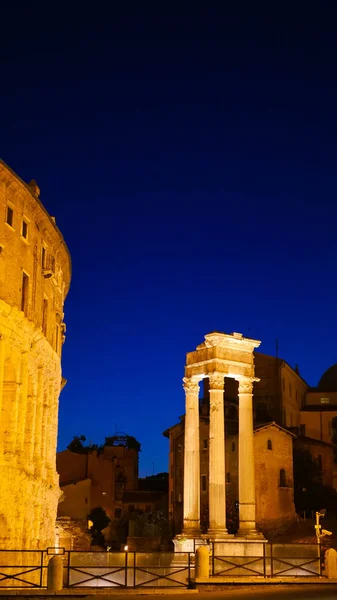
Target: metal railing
[(265, 559), (95, 569)]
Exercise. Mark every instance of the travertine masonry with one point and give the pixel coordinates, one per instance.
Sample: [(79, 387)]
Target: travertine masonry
[(34, 280)]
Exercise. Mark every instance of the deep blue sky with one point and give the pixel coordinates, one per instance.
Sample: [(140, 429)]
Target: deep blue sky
[(188, 152)]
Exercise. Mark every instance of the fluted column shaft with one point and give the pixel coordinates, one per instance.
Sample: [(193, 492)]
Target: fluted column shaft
[(191, 459), (247, 518), (217, 469)]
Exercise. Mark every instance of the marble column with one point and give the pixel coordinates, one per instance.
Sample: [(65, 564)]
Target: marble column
[(247, 519), (217, 485), (191, 525)]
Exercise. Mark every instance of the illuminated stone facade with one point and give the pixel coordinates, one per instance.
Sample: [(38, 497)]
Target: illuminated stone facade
[(34, 280)]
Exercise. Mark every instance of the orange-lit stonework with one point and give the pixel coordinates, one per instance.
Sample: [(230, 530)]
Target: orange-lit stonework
[(35, 272)]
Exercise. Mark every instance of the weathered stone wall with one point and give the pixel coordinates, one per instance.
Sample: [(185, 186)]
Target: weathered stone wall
[(31, 336), (274, 498)]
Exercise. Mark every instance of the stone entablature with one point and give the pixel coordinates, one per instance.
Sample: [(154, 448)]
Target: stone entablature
[(231, 355)]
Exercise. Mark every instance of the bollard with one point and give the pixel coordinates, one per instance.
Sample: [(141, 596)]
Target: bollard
[(55, 573), (202, 562), (330, 562)]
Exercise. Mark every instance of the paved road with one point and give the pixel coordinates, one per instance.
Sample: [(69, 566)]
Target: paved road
[(277, 592)]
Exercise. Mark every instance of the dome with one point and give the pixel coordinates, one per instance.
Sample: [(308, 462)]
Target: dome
[(328, 381)]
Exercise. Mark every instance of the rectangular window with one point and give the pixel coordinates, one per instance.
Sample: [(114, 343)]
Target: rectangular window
[(24, 230), (325, 400), (228, 477), (204, 444), (43, 257), (57, 337), (203, 483), (24, 292), (9, 216), (44, 316)]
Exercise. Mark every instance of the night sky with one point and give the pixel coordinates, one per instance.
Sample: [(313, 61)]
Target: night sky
[(188, 152)]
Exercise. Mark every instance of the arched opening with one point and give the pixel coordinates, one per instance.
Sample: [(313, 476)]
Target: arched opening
[(270, 445), (283, 478)]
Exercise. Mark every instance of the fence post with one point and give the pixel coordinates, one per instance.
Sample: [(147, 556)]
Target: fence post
[(330, 561), (55, 573), (202, 562)]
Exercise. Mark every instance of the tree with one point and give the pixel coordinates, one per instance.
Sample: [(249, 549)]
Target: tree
[(76, 445), (309, 491), (100, 521)]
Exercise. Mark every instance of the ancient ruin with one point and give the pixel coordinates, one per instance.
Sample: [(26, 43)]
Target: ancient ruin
[(35, 275), (219, 356)]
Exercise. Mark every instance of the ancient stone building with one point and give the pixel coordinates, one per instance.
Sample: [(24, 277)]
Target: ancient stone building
[(285, 411), (35, 272)]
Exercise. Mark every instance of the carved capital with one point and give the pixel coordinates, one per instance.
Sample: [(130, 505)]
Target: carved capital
[(216, 381), (191, 386), (245, 386)]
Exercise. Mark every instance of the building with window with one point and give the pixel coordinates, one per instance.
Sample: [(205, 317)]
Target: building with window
[(107, 478), (35, 271)]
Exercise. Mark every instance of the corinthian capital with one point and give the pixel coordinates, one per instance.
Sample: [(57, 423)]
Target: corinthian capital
[(191, 386), (246, 386), (216, 381)]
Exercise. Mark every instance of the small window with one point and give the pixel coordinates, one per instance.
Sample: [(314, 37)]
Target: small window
[(228, 477), (325, 400), (203, 483), (57, 337), (320, 462), (233, 446), (43, 257), (24, 229), (24, 292), (270, 445), (9, 216), (118, 513), (44, 316), (282, 478), (302, 429), (204, 444)]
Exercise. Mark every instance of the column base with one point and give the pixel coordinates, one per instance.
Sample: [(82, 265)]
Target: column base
[(184, 542), (219, 534), (250, 534)]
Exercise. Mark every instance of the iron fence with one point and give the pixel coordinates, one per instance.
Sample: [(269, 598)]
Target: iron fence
[(82, 569), (258, 558)]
